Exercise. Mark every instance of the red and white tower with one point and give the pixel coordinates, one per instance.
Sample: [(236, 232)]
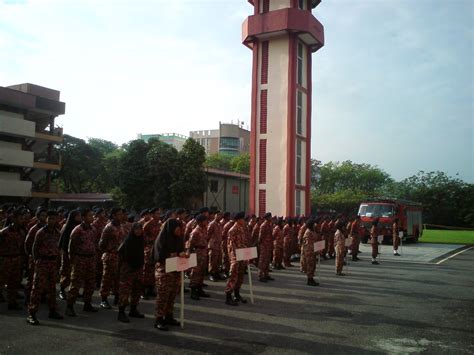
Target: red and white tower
[(282, 35)]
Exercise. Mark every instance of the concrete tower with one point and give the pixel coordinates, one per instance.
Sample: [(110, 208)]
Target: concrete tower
[(282, 35)]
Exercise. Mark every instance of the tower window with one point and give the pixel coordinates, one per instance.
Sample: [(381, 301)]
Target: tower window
[(300, 64), (299, 113), (302, 4), (298, 161)]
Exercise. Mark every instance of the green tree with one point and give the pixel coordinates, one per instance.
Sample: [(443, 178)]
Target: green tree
[(241, 163), (218, 161), (190, 181), (134, 178), (104, 146), (81, 164), (162, 160)]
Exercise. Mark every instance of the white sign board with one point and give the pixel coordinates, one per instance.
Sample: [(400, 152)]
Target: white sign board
[(246, 253), (181, 264), (380, 238), (348, 242), (400, 234), (319, 245)]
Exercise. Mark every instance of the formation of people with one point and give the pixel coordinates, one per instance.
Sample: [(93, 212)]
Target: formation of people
[(124, 256)]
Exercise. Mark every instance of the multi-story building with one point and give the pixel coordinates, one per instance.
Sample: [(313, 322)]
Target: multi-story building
[(174, 139), (229, 139), (27, 138)]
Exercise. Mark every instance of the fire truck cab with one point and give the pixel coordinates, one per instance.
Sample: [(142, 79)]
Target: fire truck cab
[(409, 214)]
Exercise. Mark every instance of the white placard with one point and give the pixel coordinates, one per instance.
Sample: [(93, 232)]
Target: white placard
[(319, 245), (400, 234), (181, 264), (246, 253), (380, 238), (348, 242)]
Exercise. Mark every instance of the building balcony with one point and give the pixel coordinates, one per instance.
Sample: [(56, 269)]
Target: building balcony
[(56, 136)]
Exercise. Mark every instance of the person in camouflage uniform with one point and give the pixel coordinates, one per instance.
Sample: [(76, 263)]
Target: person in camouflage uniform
[(197, 243), (82, 254), (41, 214), (151, 230), (131, 253), (309, 238), (278, 245), (227, 224), (110, 240), (287, 231), (169, 244), (100, 221), (45, 254), (11, 253), (74, 218), (236, 240), (214, 233), (265, 242), (340, 247), (301, 233)]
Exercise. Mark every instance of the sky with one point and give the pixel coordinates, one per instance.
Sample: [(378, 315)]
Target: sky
[(392, 87)]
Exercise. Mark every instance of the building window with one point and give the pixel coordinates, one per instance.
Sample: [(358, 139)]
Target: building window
[(298, 202), (214, 186), (299, 113), (300, 64), (298, 161), (229, 143)]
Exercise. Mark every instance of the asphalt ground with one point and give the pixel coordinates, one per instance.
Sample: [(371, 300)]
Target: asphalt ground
[(400, 307)]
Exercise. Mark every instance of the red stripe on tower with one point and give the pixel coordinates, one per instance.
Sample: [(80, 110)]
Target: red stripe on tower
[(266, 6), (264, 74), (262, 168), (262, 202), (263, 111)]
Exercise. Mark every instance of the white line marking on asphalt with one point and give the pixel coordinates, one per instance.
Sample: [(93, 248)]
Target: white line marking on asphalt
[(452, 256)]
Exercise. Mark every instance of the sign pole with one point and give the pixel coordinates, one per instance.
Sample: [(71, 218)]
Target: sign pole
[(319, 268), (182, 300), (250, 282)]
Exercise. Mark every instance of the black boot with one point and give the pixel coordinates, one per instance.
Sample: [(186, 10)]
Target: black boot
[(62, 294), (213, 278), (195, 293), (70, 310), (105, 304), (311, 282), (151, 292), (355, 258), (32, 320), (122, 317), (116, 300), (161, 324), (238, 297), (169, 319), (202, 293), (88, 307), (229, 300), (135, 313)]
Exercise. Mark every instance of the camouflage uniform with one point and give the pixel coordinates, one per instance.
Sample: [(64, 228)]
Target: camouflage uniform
[(82, 253), (65, 270), (374, 232), (167, 285), (266, 248), (301, 233), (110, 240), (225, 251), (150, 233), (340, 248), (309, 238), (395, 237), (214, 233), (277, 246), (331, 233), (11, 252), (235, 240), (99, 225), (30, 238), (198, 243), (45, 254), (287, 244), (354, 233), (131, 285)]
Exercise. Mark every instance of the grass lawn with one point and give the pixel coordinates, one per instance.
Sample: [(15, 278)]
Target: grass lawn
[(447, 237)]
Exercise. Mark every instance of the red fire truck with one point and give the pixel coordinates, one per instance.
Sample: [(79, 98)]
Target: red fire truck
[(409, 214)]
